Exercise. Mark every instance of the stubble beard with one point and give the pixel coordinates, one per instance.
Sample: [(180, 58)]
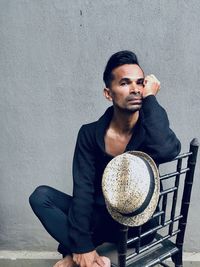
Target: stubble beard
[(129, 110)]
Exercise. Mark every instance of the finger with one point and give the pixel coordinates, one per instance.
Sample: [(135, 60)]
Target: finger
[(83, 264), (74, 257), (155, 82), (153, 76), (100, 261), (148, 79), (155, 79), (80, 260), (106, 261)]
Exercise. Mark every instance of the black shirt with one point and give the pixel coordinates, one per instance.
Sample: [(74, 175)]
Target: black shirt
[(152, 135)]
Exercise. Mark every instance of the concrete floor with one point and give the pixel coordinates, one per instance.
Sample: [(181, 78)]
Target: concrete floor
[(27, 263), (48, 259), (50, 263)]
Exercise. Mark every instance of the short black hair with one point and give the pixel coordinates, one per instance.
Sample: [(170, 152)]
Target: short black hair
[(118, 59)]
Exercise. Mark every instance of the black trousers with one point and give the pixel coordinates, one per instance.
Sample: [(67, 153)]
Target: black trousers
[(51, 207)]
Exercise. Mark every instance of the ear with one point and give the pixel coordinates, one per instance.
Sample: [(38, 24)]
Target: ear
[(107, 93)]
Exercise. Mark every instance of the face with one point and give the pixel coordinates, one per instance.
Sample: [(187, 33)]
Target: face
[(126, 87)]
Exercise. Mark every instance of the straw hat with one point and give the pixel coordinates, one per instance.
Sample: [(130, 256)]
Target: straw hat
[(131, 188)]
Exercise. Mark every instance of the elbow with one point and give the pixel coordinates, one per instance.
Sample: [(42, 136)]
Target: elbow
[(169, 152)]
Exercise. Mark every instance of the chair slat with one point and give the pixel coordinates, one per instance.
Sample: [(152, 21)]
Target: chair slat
[(174, 200)]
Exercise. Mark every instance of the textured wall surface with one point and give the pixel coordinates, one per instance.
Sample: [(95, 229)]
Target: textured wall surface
[(52, 55)]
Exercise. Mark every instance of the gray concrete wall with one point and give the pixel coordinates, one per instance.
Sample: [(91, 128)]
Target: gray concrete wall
[(52, 55)]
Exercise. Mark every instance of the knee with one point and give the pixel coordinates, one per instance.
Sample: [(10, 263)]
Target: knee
[(39, 196)]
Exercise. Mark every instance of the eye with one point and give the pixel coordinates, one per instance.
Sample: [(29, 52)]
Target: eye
[(123, 83), (140, 81)]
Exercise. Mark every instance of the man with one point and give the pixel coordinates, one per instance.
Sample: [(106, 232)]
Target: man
[(135, 121)]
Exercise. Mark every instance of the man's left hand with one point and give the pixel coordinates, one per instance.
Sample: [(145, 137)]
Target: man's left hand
[(151, 85), (88, 259)]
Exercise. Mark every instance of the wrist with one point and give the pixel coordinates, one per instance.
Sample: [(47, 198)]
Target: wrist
[(148, 94)]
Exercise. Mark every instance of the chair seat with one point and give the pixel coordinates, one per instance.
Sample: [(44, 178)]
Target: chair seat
[(151, 257), (154, 255)]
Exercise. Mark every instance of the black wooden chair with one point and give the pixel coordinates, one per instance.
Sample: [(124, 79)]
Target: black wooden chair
[(174, 205)]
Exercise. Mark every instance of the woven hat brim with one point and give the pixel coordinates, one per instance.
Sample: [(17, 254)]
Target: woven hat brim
[(144, 216)]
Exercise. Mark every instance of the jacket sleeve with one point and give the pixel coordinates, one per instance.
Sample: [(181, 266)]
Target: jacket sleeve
[(80, 213), (161, 142)]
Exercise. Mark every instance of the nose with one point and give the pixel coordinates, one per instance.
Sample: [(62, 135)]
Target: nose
[(135, 88)]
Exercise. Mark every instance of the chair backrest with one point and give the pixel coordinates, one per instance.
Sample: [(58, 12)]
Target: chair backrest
[(176, 181)]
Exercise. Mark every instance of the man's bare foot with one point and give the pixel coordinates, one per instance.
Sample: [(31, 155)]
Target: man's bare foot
[(67, 261)]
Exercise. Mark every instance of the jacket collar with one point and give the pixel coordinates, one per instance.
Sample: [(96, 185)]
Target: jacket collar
[(103, 123)]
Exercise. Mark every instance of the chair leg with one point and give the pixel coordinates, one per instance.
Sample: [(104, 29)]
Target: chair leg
[(178, 258), (122, 246)]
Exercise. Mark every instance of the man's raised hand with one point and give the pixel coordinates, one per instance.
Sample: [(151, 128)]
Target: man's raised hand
[(151, 85)]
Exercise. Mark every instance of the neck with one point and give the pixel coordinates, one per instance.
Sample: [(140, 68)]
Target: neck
[(124, 122)]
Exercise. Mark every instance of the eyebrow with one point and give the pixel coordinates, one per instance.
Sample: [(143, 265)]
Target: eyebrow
[(125, 80), (128, 80)]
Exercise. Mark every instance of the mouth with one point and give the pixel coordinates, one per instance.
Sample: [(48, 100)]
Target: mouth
[(135, 100)]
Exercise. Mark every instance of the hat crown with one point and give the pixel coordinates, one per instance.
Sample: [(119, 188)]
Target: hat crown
[(127, 183), (131, 187)]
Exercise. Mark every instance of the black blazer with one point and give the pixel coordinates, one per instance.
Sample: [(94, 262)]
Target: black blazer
[(152, 135)]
